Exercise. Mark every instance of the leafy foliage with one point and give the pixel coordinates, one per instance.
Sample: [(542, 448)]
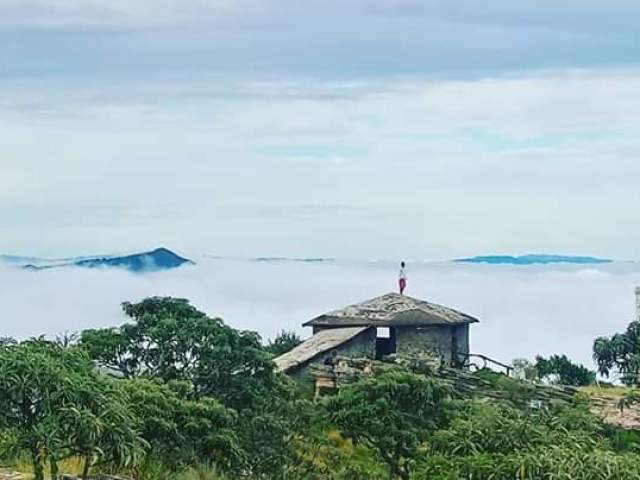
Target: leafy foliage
[(551, 462), (394, 413), (53, 404), (171, 340), (184, 431), (620, 352), (564, 371), (284, 342), (501, 428), (499, 441)]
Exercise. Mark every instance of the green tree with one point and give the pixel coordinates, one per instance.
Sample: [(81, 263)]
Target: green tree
[(284, 342), (564, 371), (53, 404), (394, 413), (620, 353), (171, 340), (181, 431), (100, 428)]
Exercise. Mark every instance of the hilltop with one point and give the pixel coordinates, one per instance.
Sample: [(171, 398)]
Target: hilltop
[(151, 261)]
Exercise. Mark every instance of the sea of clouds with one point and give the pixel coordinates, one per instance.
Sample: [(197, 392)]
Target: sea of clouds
[(523, 311)]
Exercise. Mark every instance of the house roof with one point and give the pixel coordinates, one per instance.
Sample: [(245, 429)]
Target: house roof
[(321, 342), (392, 309)]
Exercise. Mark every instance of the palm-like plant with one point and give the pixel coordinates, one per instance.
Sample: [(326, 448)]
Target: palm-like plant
[(620, 353), (53, 404)]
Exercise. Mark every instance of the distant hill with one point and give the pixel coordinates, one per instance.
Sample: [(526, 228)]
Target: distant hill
[(532, 259), (153, 261), (288, 259)]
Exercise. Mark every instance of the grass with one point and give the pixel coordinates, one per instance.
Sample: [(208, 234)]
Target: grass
[(608, 390), (150, 470), (155, 470), (72, 466)]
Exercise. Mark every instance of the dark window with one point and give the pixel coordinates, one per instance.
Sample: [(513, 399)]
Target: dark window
[(385, 341)]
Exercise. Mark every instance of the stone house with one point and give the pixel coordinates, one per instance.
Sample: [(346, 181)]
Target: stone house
[(389, 324)]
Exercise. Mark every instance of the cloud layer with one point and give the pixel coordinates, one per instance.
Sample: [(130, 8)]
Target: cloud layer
[(523, 311)]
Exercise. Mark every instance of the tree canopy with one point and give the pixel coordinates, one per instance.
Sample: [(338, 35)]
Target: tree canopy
[(169, 339), (394, 413), (284, 342), (562, 370), (53, 405), (620, 354)]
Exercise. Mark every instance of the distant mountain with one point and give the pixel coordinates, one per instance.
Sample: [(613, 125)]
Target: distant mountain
[(288, 259), (532, 260), (153, 261)]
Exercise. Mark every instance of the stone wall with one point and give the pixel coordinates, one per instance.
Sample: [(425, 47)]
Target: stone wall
[(438, 340), (461, 341)]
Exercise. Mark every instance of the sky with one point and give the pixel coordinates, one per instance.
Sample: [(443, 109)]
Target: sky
[(352, 129)]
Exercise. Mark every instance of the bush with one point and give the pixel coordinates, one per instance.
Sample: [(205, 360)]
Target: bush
[(553, 462), (393, 413)]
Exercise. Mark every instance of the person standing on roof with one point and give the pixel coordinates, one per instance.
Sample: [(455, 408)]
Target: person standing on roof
[(402, 277)]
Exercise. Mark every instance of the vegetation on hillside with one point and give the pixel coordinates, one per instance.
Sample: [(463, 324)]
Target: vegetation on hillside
[(620, 354), (174, 394)]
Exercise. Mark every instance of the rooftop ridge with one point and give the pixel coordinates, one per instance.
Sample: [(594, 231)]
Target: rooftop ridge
[(392, 309)]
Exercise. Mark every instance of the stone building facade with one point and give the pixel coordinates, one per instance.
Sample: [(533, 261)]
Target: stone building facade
[(389, 324)]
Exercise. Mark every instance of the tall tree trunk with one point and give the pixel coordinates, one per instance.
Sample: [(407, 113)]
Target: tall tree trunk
[(38, 468), (396, 469), (53, 466), (87, 467), (399, 471)]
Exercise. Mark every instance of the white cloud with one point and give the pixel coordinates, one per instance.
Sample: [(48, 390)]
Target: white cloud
[(497, 164), (523, 311), (544, 14), (107, 13)]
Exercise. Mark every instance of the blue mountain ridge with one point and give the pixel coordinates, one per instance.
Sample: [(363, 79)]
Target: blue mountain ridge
[(152, 261), (532, 259)]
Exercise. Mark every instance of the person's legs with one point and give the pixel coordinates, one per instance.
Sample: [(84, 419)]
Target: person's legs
[(403, 285)]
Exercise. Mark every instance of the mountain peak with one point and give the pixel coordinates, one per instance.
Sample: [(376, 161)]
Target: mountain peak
[(159, 259), (154, 260)]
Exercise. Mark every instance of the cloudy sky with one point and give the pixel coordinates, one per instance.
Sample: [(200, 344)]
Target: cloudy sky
[(351, 128)]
